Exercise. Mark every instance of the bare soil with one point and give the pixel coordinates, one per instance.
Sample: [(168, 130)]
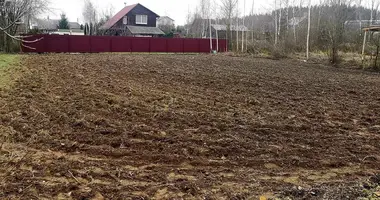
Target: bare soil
[(126, 126)]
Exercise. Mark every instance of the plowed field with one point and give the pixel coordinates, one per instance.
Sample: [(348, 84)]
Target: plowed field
[(121, 126)]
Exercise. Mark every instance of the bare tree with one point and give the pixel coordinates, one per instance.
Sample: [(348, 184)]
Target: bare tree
[(228, 8), (237, 25), (89, 12), (195, 23), (205, 12), (188, 21), (242, 32), (107, 12), (105, 15), (13, 12), (252, 15), (210, 24), (374, 9), (294, 25), (90, 17), (359, 14), (275, 23), (336, 17), (287, 15), (214, 12), (308, 31)]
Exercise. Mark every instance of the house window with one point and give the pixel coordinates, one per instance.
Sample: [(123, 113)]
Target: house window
[(125, 20), (141, 19)]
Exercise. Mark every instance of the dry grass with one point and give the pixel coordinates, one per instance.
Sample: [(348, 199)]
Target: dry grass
[(8, 64)]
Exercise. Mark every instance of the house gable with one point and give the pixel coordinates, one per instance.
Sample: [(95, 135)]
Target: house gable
[(130, 12)]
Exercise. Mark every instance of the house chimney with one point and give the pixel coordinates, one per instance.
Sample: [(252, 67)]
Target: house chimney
[(125, 4), (48, 17)]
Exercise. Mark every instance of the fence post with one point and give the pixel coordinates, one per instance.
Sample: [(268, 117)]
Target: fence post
[(131, 48), (89, 37), (45, 43), (111, 43), (167, 45), (199, 45), (183, 45), (69, 44)]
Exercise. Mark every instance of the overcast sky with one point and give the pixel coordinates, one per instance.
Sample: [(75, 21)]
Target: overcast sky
[(176, 9)]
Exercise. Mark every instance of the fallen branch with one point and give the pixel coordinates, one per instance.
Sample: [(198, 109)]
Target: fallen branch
[(28, 47), (72, 175), (21, 39)]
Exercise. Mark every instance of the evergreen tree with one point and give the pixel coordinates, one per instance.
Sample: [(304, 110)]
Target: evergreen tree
[(63, 22)]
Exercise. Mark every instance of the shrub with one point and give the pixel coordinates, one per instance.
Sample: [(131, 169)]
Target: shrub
[(266, 48)]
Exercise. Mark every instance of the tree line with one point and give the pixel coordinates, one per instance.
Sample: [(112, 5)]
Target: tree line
[(330, 26)]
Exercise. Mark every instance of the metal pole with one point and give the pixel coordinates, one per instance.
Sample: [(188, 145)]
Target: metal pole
[(210, 34), (363, 50), (217, 36), (308, 33)]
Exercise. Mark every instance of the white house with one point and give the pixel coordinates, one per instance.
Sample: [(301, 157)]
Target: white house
[(165, 21)]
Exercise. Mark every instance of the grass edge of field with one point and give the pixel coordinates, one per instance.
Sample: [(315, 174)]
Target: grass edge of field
[(9, 68)]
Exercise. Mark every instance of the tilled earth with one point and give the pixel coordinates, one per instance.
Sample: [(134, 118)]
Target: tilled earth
[(125, 126)]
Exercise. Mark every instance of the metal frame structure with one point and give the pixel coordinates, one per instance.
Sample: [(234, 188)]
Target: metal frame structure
[(366, 30)]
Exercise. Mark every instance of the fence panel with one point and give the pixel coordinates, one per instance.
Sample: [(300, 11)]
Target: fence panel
[(94, 44), (158, 45), (140, 44), (80, 44), (121, 44), (204, 46), (100, 44), (223, 46), (175, 45), (57, 43), (191, 46)]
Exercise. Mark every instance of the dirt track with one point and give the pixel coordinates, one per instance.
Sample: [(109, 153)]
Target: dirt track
[(186, 126)]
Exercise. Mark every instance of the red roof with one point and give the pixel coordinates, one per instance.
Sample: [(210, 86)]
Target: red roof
[(118, 16)]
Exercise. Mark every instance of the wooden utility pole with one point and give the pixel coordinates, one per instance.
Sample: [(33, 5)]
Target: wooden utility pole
[(242, 32), (253, 3), (279, 20), (237, 26), (364, 43), (210, 21), (308, 32)]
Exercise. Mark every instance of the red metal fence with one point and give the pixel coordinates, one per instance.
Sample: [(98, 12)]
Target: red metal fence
[(97, 44)]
